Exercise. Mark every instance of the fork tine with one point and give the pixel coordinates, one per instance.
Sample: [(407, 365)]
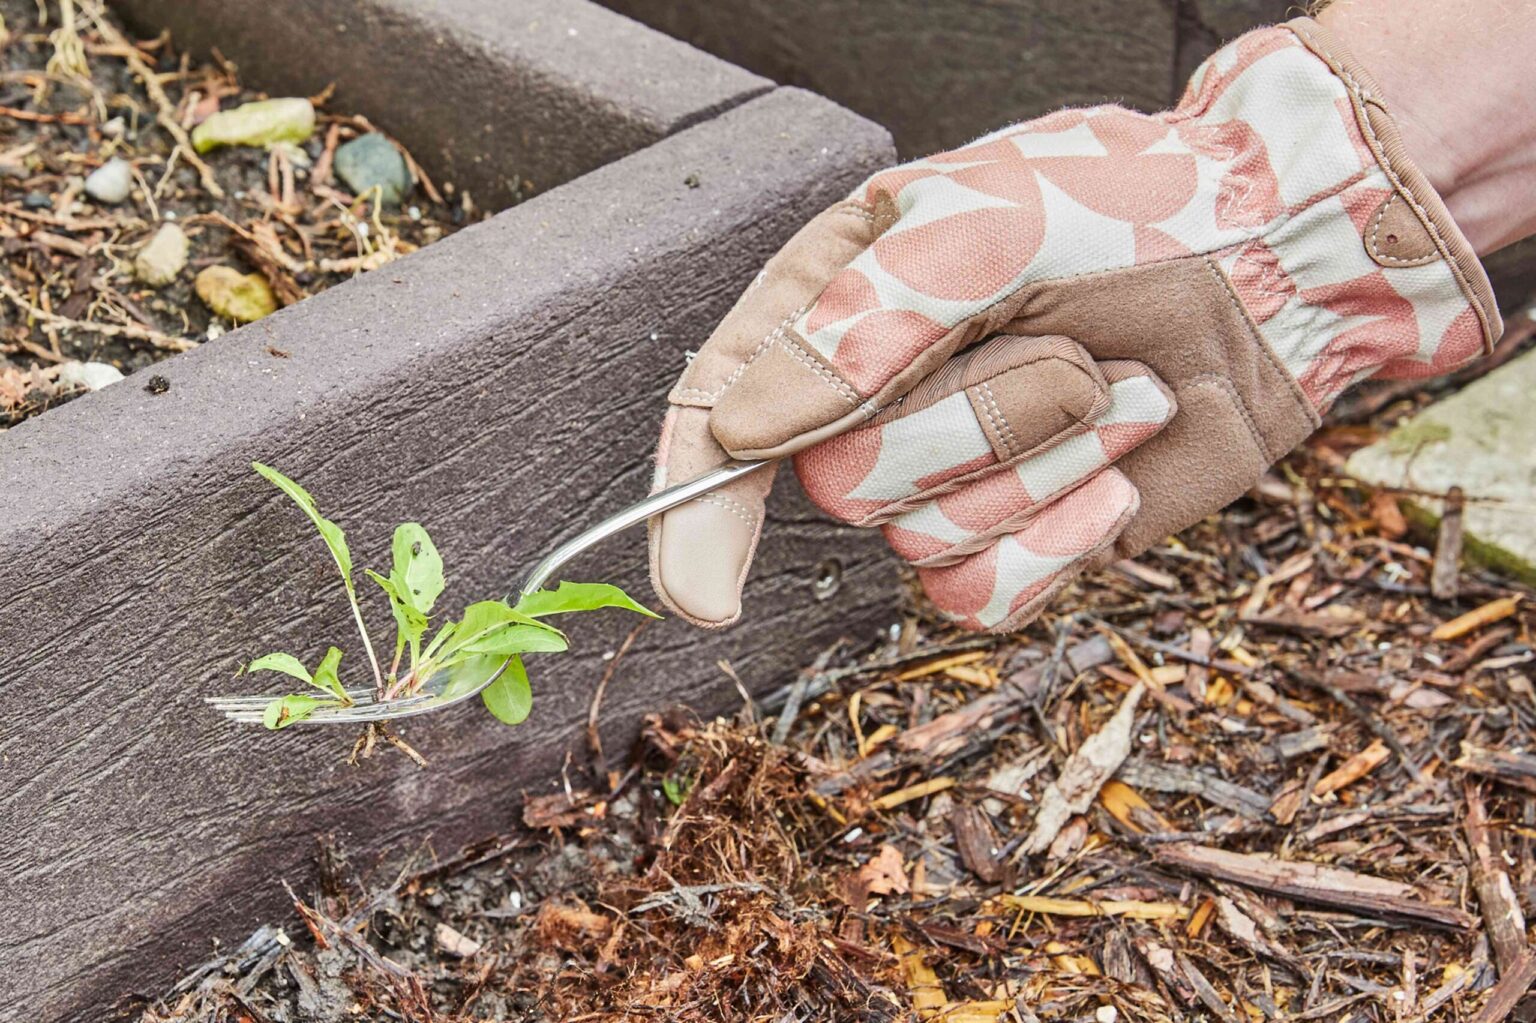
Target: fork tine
[(260, 700), (359, 712)]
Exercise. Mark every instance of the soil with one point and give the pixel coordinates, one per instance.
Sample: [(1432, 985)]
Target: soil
[(1272, 770), (69, 291)]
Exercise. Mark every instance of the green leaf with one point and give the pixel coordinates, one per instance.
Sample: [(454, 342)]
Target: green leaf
[(509, 697), (334, 538), (579, 597), (326, 677), (286, 710), (285, 663), (518, 639), (676, 788), (410, 623), (418, 570), (468, 674), (444, 634), (483, 620)]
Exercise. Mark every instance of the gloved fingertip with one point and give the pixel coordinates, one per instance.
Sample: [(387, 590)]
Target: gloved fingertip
[(701, 557)]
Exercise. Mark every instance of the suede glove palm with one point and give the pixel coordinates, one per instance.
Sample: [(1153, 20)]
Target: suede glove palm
[(1056, 346)]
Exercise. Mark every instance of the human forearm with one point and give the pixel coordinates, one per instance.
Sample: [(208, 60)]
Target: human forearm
[(1453, 77)]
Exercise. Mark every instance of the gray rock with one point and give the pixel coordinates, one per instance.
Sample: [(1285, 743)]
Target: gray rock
[(88, 376), (1482, 439), (370, 161), (111, 182)]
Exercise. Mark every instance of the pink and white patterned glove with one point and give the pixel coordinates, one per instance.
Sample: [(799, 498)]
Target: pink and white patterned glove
[(1054, 347)]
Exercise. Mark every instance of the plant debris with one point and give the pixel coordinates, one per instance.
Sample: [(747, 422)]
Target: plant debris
[(1264, 773), (129, 170)]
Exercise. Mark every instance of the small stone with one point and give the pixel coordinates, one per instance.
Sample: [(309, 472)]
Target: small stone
[(371, 161), (36, 201), (263, 123), (111, 182), (116, 128), (1106, 1014), (88, 376), (234, 295), (162, 257), (157, 384)]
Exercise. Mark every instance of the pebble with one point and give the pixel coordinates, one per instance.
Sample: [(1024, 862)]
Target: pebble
[(36, 201), (88, 376), (370, 161), (111, 182), (265, 122), (116, 128), (162, 257), (234, 295)]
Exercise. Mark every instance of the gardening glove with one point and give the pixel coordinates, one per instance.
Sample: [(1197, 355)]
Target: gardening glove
[(1054, 347)]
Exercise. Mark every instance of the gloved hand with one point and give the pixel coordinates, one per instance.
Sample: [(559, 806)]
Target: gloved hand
[(1054, 347)]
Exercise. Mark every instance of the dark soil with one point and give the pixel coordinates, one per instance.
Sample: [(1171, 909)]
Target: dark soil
[(1274, 693), (283, 214)]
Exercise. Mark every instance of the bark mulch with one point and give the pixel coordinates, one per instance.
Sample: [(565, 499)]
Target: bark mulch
[(1274, 769)]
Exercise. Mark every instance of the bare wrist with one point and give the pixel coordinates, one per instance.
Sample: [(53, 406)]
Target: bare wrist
[(1450, 75)]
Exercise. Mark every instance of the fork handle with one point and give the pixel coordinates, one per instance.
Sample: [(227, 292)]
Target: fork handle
[(634, 514)]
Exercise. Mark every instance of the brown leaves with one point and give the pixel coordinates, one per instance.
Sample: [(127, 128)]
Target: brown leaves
[(882, 875)]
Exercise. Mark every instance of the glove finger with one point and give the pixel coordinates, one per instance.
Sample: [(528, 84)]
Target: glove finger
[(967, 520), (986, 410), (1006, 585), (700, 551)]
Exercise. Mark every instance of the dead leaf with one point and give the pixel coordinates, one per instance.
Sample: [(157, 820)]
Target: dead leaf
[(882, 875)]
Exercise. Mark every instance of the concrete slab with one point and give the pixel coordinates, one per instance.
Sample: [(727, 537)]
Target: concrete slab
[(1482, 439)]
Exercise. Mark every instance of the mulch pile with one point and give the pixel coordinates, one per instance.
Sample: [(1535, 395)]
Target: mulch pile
[(1274, 769), (76, 91)]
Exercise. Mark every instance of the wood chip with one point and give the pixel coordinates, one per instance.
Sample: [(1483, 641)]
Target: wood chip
[(1493, 611), (1352, 770), (1313, 882), (456, 944), (1131, 909), (1094, 763), (1445, 575)]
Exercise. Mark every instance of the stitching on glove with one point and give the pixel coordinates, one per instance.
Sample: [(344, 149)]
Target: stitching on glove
[(731, 505), (999, 421), (1224, 385), (1375, 249), (837, 383), (1257, 337), (1361, 97), (762, 346)]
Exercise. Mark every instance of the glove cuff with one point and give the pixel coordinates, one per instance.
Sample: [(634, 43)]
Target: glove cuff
[(1413, 227)]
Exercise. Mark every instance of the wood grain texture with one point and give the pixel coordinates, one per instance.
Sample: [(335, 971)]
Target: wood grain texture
[(502, 386)]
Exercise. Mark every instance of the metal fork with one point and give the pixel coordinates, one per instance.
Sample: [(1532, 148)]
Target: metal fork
[(430, 697)]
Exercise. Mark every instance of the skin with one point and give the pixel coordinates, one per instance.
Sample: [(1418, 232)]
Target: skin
[(1454, 76)]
